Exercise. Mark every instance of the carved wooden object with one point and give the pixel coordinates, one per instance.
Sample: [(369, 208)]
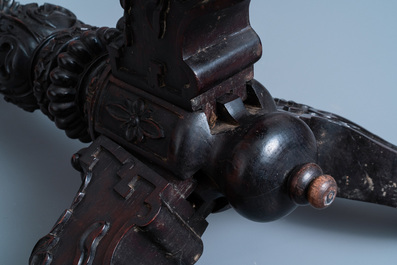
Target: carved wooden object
[(179, 129)]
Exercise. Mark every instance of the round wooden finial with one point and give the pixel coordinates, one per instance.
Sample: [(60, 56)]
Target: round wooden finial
[(322, 191), (300, 180), (308, 185)]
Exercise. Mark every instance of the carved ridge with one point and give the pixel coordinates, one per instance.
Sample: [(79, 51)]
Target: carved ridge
[(66, 94), (41, 254), (8, 6), (89, 242), (23, 28)]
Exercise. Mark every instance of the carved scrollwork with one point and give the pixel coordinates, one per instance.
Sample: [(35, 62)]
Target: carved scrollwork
[(302, 109), (89, 242), (48, 59), (22, 28)]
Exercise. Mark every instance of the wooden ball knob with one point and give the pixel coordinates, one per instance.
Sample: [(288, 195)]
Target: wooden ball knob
[(322, 191)]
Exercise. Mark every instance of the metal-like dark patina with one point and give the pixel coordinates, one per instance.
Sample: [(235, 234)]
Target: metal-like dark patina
[(179, 129)]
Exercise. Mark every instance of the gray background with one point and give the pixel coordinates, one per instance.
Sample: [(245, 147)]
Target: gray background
[(336, 55)]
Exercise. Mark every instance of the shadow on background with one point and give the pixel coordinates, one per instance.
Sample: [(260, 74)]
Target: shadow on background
[(349, 217)]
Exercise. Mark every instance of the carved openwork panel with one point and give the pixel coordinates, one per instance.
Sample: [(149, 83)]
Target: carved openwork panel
[(136, 208)]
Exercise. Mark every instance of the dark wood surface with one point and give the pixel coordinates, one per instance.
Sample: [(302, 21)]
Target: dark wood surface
[(316, 102)]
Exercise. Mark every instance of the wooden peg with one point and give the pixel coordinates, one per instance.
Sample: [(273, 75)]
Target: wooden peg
[(308, 185), (322, 191)]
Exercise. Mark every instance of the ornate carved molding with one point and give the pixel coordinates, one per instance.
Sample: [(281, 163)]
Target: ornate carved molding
[(68, 77), (127, 223), (22, 28)]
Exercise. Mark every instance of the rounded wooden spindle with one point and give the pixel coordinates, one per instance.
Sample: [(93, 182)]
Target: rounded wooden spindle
[(308, 185)]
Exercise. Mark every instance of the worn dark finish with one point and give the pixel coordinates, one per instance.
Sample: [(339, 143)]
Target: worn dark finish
[(89, 234), (23, 29), (362, 164), (180, 129)]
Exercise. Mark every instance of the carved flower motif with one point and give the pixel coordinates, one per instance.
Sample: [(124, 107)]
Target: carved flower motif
[(136, 120)]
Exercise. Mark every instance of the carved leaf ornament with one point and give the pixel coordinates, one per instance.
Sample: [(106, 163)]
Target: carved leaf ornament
[(136, 120)]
